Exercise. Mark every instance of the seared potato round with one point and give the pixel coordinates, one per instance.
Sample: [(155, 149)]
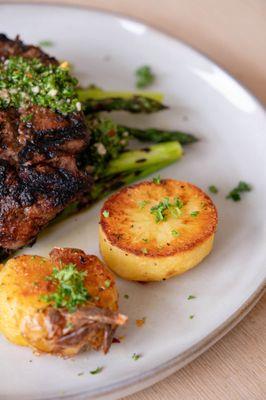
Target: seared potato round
[(29, 317), (155, 230)]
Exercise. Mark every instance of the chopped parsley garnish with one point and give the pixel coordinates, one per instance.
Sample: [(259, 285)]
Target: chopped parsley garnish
[(161, 209), (175, 233), (145, 240), (240, 188), (106, 214), (145, 77), (26, 81), (143, 203), (107, 283), (70, 290), (213, 189), (157, 180), (126, 296), (136, 357), (96, 371), (191, 316), (108, 142), (144, 251), (46, 43), (191, 297), (194, 213)]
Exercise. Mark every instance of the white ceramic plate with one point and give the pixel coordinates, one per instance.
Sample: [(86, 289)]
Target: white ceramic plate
[(106, 50)]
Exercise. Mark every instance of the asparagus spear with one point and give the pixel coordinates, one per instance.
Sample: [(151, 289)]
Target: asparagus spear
[(133, 165), (126, 169), (96, 93), (135, 104), (114, 138), (95, 99), (158, 135), (105, 186), (139, 159)]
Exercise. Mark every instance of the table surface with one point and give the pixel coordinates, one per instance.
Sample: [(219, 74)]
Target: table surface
[(232, 33)]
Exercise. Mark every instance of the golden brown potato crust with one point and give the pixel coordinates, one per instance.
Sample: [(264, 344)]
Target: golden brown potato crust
[(131, 227), (26, 319)]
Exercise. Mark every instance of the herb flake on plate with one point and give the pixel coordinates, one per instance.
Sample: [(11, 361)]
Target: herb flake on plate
[(213, 189), (96, 371), (240, 188), (145, 77), (136, 356)]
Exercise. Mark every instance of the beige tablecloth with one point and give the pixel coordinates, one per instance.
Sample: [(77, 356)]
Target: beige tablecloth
[(233, 33)]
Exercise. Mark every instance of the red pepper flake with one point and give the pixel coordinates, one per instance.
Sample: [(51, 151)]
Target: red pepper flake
[(111, 133), (116, 340)]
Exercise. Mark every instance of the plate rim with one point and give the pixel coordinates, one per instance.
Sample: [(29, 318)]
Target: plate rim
[(156, 374)]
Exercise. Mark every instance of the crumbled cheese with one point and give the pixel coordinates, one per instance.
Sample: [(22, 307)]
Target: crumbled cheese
[(78, 106), (35, 89), (52, 92), (100, 149)]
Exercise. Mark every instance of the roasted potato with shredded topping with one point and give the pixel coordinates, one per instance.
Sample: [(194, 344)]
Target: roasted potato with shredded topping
[(30, 298), (155, 230)]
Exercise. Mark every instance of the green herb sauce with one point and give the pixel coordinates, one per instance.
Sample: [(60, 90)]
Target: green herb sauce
[(26, 81)]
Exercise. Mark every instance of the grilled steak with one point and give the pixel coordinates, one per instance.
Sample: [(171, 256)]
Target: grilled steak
[(40, 149)]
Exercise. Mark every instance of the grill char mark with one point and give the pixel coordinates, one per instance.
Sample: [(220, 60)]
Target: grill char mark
[(39, 170)]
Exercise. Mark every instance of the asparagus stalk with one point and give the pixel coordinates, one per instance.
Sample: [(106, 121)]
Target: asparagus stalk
[(127, 169), (135, 104), (95, 99), (158, 135), (139, 159), (95, 93), (104, 187)]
